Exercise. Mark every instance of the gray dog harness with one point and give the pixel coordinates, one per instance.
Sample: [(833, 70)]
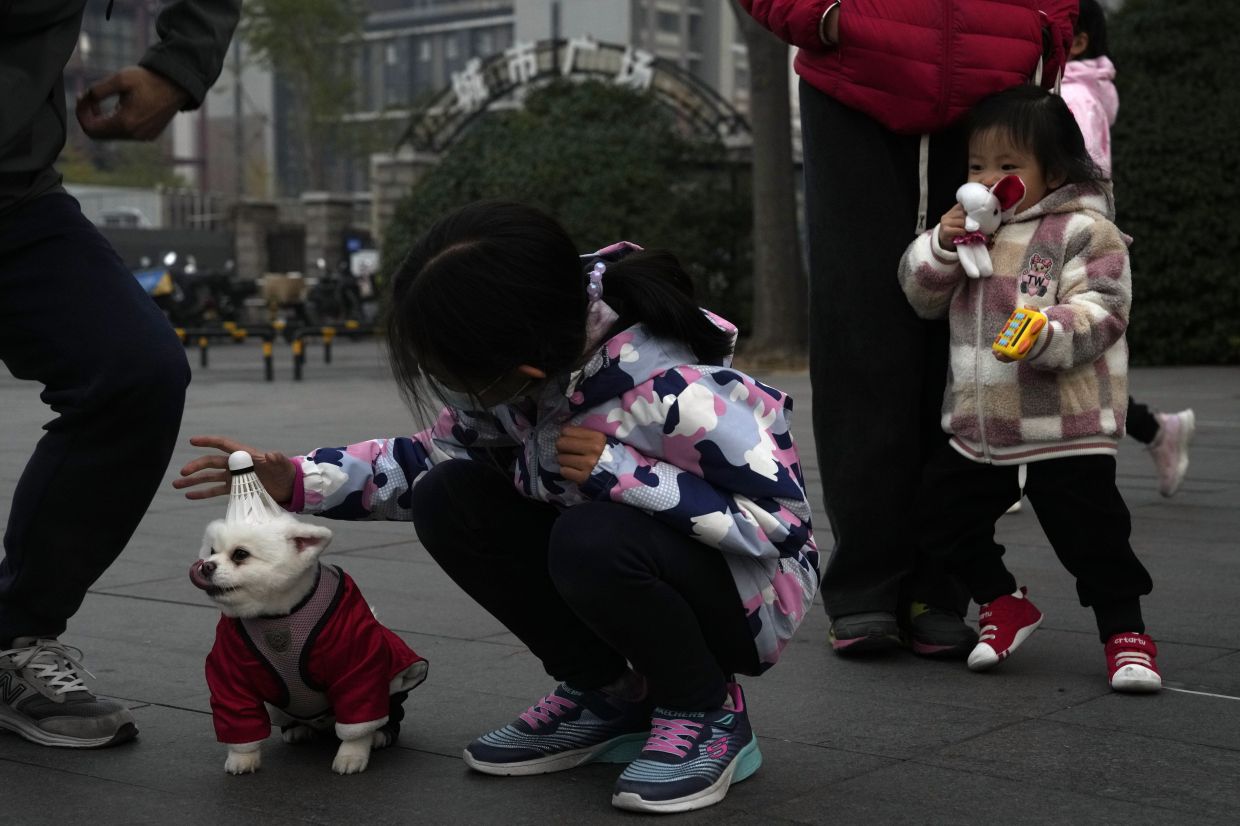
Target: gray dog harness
[(285, 644)]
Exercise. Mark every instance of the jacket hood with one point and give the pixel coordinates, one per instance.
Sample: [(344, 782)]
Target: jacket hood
[(627, 359), (1096, 76), (1093, 196)]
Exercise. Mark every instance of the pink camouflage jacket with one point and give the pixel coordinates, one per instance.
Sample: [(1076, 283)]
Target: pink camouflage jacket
[(704, 448), (1062, 256)]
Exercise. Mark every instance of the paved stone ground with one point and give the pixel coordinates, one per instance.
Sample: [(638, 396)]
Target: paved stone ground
[(896, 739)]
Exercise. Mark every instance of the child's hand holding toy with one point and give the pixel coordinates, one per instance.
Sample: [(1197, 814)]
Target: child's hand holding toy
[(1016, 339)]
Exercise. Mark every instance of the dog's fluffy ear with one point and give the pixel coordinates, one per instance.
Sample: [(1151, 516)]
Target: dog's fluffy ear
[(312, 539)]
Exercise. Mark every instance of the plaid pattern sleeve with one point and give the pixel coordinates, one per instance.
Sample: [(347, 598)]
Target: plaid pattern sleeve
[(1095, 294), (929, 275)]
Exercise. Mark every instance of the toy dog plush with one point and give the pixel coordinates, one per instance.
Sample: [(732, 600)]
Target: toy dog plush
[(297, 644), (984, 209)]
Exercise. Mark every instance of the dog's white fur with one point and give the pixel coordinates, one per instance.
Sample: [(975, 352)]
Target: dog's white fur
[(275, 573)]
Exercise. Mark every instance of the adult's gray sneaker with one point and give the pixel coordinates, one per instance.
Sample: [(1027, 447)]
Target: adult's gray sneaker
[(43, 698)]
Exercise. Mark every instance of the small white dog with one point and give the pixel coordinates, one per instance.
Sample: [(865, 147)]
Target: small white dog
[(297, 644)]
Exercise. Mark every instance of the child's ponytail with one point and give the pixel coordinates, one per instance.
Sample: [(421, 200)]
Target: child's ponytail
[(652, 288)]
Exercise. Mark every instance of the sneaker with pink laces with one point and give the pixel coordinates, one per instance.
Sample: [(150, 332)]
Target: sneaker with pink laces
[(1131, 666), (1170, 448), (1005, 623)]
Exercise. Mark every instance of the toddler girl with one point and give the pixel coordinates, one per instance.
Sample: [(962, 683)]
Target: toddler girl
[(1059, 412)]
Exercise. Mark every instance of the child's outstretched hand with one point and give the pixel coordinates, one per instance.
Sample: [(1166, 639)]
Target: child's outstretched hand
[(274, 470), (951, 225), (579, 449)]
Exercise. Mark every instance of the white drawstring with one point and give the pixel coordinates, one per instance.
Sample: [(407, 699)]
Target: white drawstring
[(923, 174)]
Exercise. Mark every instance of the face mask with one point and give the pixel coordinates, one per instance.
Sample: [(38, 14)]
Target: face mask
[(459, 400)]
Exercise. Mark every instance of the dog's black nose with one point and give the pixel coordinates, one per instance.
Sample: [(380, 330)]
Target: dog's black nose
[(208, 568)]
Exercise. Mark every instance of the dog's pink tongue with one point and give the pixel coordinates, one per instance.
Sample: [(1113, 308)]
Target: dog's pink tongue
[(197, 577)]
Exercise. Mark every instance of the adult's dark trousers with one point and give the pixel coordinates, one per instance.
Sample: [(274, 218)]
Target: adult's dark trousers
[(877, 371), (74, 319), (591, 588), (1079, 508)]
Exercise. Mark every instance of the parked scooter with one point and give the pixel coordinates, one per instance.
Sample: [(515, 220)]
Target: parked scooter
[(190, 297), (335, 296)]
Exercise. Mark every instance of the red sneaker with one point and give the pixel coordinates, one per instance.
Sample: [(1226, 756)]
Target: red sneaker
[(1130, 664), (1004, 623)]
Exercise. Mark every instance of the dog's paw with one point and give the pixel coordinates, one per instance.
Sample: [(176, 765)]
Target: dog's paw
[(298, 734), (380, 740), (352, 757), (243, 762)]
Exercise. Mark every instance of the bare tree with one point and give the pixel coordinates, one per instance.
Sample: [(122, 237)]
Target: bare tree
[(780, 292)]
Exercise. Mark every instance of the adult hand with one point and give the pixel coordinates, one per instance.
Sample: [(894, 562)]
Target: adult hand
[(275, 470), (579, 449), (951, 225), (145, 102)]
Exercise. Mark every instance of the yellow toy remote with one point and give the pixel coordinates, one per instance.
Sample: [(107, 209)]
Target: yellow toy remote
[(1018, 335)]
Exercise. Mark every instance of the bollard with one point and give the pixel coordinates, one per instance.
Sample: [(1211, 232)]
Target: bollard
[(269, 372), (203, 341), (329, 333), (180, 331), (299, 348)]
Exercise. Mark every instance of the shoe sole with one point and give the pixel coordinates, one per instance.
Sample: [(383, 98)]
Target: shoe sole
[(959, 650), (746, 763), (868, 644), (622, 749), (986, 662), (23, 727), (1133, 679)]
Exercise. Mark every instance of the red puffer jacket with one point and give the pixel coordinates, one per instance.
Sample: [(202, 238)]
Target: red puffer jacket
[(918, 65)]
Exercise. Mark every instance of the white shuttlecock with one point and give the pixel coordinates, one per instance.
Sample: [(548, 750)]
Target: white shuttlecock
[(248, 501)]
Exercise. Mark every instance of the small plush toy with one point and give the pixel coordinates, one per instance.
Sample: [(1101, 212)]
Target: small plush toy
[(984, 209)]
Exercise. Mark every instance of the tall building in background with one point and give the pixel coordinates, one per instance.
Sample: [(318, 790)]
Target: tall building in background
[(699, 36), (409, 50)]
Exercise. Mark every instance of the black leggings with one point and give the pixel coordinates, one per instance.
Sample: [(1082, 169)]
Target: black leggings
[(589, 588), (1079, 508)]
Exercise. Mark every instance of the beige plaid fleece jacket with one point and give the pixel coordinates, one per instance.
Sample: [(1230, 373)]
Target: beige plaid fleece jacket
[(1062, 256)]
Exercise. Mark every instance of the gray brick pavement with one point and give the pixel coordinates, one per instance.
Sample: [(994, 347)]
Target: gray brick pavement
[(896, 739)]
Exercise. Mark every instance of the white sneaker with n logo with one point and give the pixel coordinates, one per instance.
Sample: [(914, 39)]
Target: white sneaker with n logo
[(43, 699)]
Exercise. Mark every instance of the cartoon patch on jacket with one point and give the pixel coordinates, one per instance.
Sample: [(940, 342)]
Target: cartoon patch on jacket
[(1036, 278)]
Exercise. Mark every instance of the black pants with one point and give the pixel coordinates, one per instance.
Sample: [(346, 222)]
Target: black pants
[(1141, 425), (1078, 506), (877, 370), (73, 318), (590, 588)]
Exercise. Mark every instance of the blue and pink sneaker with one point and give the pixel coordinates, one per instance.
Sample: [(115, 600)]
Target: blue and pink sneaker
[(565, 729), (690, 759)]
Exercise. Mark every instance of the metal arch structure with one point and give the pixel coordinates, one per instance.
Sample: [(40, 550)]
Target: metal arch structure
[(501, 80)]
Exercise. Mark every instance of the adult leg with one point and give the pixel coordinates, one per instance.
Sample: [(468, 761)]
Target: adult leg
[(876, 369), (493, 542), (667, 602), (73, 318), (1088, 525)]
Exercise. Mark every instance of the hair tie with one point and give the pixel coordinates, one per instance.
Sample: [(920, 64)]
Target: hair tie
[(595, 288)]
